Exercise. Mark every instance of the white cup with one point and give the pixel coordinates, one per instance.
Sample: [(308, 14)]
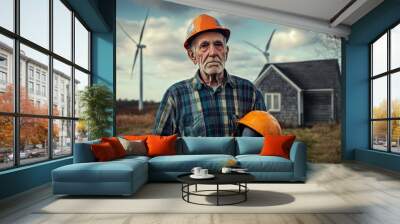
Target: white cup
[(196, 170), (226, 170), (203, 172)]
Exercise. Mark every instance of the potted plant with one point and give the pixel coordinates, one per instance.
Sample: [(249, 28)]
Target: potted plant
[(97, 103)]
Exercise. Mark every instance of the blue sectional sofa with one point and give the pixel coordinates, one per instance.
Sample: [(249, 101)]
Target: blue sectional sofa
[(125, 176)]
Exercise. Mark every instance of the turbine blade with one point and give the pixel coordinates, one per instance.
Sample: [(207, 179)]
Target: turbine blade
[(253, 45), (269, 41), (134, 61), (126, 33), (144, 24)]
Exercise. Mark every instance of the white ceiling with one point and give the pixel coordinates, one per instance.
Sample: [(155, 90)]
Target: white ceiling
[(314, 15)]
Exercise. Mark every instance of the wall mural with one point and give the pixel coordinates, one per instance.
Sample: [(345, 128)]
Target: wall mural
[(291, 73)]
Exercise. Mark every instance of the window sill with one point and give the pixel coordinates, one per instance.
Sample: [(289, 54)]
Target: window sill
[(26, 167)]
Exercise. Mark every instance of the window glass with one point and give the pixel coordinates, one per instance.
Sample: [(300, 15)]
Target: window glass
[(6, 142), (81, 131), (268, 101), (276, 102), (395, 47), (34, 21), (6, 74), (33, 140), (395, 95), (379, 135), (379, 56), (81, 81), (62, 29), (7, 14), (39, 63), (62, 137), (81, 45), (62, 91), (379, 97)]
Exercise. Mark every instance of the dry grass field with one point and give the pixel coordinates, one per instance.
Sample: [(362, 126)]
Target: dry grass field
[(322, 140)]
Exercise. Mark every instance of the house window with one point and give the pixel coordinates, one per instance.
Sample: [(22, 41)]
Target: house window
[(38, 89), (44, 77), (3, 61), (384, 91), (3, 70), (43, 90), (30, 87), (30, 72), (273, 102)]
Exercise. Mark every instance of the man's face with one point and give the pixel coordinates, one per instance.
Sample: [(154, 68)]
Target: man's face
[(210, 52)]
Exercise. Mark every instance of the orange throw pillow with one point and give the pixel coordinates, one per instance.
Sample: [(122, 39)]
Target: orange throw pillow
[(277, 145), (161, 145), (116, 145), (135, 137), (103, 151)]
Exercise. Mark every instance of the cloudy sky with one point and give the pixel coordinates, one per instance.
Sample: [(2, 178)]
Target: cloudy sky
[(164, 58)]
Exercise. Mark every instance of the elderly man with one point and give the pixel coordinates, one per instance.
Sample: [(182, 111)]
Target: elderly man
[(211, 102)]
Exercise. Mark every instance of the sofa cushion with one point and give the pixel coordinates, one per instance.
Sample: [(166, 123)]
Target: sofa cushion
[(111, 171), (161, 145), (103, 151), (134, 147), (185, 163), (277, 145), (249, 145), (206, 145), (257, 163), (116, 145)]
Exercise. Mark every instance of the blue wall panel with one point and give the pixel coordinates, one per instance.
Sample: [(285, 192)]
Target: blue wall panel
[(24, 178), (356, 67)]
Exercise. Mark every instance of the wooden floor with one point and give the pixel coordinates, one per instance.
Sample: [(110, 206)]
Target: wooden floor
[(354, 182)]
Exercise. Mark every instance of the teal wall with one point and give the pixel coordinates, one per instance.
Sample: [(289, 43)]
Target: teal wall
[(99, 16), (356, 84)]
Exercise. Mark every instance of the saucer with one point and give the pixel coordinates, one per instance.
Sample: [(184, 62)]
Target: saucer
[(208, 176)]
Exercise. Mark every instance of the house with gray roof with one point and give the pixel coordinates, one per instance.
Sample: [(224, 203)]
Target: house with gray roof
[(301, 93)]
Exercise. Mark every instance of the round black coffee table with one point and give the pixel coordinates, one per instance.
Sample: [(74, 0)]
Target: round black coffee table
[(238, 179)]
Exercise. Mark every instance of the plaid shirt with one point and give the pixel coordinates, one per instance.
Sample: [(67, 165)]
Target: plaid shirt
[(191, 108)]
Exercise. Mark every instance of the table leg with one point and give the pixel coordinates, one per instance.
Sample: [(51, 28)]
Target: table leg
[(196, 188), (245, 193), (217, 194)]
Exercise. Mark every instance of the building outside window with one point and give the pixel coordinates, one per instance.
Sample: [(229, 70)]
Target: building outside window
[(273, 102), (385, 91)]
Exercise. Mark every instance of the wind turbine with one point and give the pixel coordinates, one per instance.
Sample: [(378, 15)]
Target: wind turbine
[(139, 49), (266, 51)]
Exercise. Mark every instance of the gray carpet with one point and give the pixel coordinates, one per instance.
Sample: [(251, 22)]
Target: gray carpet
[(166, 198)]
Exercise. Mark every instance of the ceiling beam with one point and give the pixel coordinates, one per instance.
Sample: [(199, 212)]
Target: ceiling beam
[(269, 15), (346, 12)]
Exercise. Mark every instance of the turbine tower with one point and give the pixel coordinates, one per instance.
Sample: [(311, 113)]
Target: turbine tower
[(139, 49), (266, 51)]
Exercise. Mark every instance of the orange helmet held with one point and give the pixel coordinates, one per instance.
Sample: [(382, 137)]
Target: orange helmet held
[(261, 122), (201, 24)]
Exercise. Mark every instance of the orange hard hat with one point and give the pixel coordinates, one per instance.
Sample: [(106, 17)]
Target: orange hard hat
[(261, 122), (201, 24)]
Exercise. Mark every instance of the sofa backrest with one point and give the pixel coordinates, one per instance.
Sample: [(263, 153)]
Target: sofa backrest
[(249, 145), (206, 145), (83, 152)]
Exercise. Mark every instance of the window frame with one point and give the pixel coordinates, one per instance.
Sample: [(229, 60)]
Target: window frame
[(272, 95), (16, 115), (388, 74)]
